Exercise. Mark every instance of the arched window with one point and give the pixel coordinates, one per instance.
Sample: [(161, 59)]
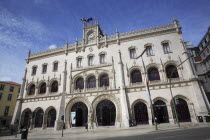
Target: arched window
[(31, 90), (42, 88), (170, 69), (91, 82), (136, 76), (80, 83), (54, 86), (153, 74), (104, 80)]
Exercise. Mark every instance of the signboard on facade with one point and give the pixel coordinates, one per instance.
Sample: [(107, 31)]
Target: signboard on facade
[(73, 117)]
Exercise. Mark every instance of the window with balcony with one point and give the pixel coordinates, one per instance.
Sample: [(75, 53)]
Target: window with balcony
[(153, 74), (104, 80), (91, 82), (170, 69), (54, 86), (80, 83), (42, 89), (136, 76), (31, 90)]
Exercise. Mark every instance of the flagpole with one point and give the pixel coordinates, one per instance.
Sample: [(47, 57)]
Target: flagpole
[(148, 90)]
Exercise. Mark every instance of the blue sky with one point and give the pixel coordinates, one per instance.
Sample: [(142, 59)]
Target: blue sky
[(42, 24)]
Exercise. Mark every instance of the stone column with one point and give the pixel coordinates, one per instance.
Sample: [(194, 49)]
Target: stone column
[(193, 115), (70, 80), (44, 125), (32, 124), (61, 108), (149, 115), (180, 73), (17, 112), (97, 83), (48, 89), (162, 76), (36, 90), (170, 114), (113, 72), (123, 97), (143, 77), (85, 84)]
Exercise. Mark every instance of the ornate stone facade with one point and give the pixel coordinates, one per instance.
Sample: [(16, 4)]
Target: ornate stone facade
[(111, 73)]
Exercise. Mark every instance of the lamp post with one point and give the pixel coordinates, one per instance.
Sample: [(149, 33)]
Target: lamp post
[(147, 89), (173, 100)]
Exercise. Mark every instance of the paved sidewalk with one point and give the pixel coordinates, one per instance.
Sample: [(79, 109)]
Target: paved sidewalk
[(103, 132)]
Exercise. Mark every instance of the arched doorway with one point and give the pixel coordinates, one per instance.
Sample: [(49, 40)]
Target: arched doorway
[(161, 112), (26, 118), (51, 117), (106, 113), (79, 114), (141, 113), (182, 110), (39, 118)]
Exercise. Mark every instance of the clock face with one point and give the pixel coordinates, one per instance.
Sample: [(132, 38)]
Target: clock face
[(91, 35)]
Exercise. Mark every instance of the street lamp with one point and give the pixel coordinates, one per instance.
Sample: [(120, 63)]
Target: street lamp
[(147, 89), (173, 100)]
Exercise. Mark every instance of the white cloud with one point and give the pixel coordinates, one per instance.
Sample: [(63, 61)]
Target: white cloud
[(18, 34), (53, 46)]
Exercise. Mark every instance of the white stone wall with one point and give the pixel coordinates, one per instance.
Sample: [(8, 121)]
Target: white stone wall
[(184, 87)]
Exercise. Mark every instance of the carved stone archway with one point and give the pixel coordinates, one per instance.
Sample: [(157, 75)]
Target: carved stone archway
[(148, 113), (70, 105), (25, 120), (46, 117), (115, 101), (190, 107)]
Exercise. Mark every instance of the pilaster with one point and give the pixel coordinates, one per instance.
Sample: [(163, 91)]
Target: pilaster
[(61, 108), (17, 112), (123, 97)]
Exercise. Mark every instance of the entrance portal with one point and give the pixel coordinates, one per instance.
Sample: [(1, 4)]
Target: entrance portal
[(161, 112), (81, 113), (106, 113), (39, 118), (26, 119), (182, 110), (141, 114), (51, 117)]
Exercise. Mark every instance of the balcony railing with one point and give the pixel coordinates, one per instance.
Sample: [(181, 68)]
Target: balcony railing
[(137, 84), (104, 88), (174, 79), (91, 89), (155, 82), (78, 90)]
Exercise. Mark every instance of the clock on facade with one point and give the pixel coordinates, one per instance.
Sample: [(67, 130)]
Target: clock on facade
[(91, 35)]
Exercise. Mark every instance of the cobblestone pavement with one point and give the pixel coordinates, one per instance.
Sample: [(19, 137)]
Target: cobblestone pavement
[(138, 132)]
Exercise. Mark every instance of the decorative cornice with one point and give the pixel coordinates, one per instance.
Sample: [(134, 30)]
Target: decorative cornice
[(122, 36)]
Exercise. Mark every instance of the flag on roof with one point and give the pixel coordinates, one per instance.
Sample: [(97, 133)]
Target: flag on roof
[(86, 20)]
